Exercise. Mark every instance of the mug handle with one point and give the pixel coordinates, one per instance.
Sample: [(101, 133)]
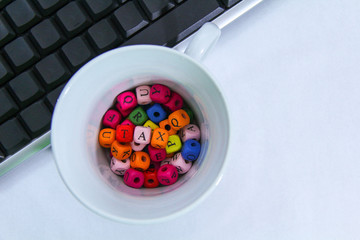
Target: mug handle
[(204, 40)]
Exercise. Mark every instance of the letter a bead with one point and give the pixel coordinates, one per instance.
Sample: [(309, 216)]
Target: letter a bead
[(190, 131), (138, 116), (160, 93), (182, 165), (179, 119), (119, 166), (106, 137), (151, 180), (143, 95), (111, 118), (175, 103), (159, 138), (121, 151), (156, 154), (127, 100), (173, 144), (167, 174), (134, 178), (142, 135), (140, 161), (124, 133), (191, 150), (156, 113)]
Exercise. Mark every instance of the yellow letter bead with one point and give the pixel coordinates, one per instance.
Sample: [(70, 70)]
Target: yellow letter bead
[(179, 119), (173, 144), (140, 161), (106, 137), (151, 125), (165, 124), (121, 151), (159, 138)]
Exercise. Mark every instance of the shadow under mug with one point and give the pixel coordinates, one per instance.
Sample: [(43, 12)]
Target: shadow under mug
[(84, 165)]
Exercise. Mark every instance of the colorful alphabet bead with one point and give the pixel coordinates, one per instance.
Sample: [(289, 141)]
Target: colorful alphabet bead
[(175, 103), (134, 178), (151, 125), (156, 113), (190, 131), (121, 151), (124, 133), (142, 135), (150, 178), (160, 93), (156, 154), (182, 165), (165, 124), (123, 112), (106, 137), (179, 119), (173, 144), (159, 138), (140, 161), (191, 150), (167, 174), (138, 116), (111, 118), (127, 100), (119, 166)]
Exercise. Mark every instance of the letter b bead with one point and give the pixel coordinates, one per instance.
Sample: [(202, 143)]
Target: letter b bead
[(134, 178), (167, 174)]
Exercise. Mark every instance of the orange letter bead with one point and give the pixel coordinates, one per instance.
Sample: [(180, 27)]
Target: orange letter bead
[(159, 138), (173, 144), (179, 119), (165, 124), (121, 151), (140, 161), (106, 137)]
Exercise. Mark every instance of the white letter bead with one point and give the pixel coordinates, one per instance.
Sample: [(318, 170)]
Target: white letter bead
[(119, 166), (142, 135), (143, 95), (182, 165), (190, 131)]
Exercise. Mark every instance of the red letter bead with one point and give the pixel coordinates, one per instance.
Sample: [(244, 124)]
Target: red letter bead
[(167, 174), (123, 112), (179, 119), (143, 95), (137, 146), (156, 154), (127, 122), (134, 178), (160, 93), (127, 100), (106, 137), (150, 178), (175, 103), (111, 118), (124, 133), (182, 165), (119, 166), (190, 131), (142, 135)]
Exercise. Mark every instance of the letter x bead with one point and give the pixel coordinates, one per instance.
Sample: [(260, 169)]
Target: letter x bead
[(142, 135), (159, 138)]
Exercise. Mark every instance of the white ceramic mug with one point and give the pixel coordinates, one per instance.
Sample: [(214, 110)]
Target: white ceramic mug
[(84, 165)]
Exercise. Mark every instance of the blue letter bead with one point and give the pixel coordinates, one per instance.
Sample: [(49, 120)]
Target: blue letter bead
[(156, 113), (191, 150)]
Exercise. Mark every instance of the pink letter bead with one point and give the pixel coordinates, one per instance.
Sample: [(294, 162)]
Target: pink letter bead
[(182, 165), (134, 178), (142, 135), (175, 103), (111, 118), (127, 122), (143, 95), (160, 93), (190, 131), (119, 166), (156, 154), (137, 147), (166, 161), (167, 174), (123, 112), (127, 100)]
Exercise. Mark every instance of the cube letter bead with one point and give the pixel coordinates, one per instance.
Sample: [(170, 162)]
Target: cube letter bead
[(124, 133), (151, 180), (190, 113), (127, 122), (143, 95), (167, 174), (165, 124), (127, 100), (175, 103), (140, 161), (142, 135), (160, 93), (111, 118), (182, 165), (159, 138), (151, 125), (138, 116), (179, 119), (190, 131), (156, 113), (106, 137), (191, 150), (123, 112), (137, 146), (156, 154), (165, 161), (119, 166), (173, 144), (121, 151), (155, 165), (134, 178)]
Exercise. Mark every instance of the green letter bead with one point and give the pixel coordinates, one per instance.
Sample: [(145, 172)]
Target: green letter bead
[(173, 144), (138, 116), (190, 113)]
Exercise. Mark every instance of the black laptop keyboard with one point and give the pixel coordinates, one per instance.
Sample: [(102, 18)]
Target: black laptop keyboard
[(44, 42)]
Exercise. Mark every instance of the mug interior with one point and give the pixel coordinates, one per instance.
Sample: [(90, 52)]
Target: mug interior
[(84, 165)]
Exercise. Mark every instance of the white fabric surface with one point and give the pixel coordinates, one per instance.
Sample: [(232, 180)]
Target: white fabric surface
[(290, 73)]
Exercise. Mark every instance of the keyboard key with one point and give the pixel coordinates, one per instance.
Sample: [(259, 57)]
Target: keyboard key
[(22, 15), (6, 33), (103, 36), (99, 9), (72, 19), (8, 106), (129, 25), (25, 88), (13, 136), (21, 53), (168, 33), (52, 97), (5, 71), (156, 8), (47, 36), (2, 156), (77, 53), (52, 71), (230, 3), (36, 118), (47, 7)]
